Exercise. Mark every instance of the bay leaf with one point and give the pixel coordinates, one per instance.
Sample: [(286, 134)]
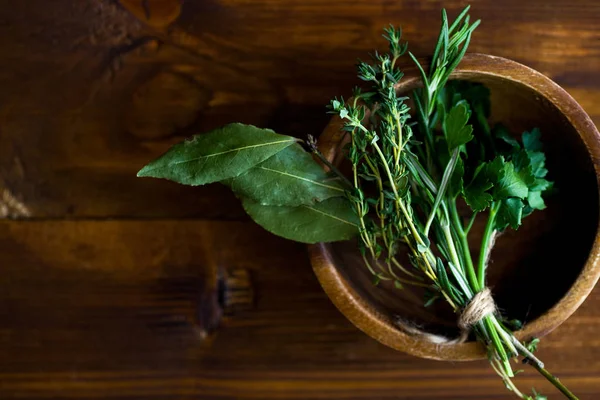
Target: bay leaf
[(328, 221), (289, 178), (220, 154)]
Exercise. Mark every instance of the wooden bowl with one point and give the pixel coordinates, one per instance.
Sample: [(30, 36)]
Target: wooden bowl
[(539, 274)]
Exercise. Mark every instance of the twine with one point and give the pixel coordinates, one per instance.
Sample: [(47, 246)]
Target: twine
[(480, 306)]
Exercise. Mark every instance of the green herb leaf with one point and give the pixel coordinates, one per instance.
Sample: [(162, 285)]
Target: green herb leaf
[(539, 396), (456, 180), (223, 153), (429, 297), (531, 140), (510, 213), (442, 275), (500, 132), (289, 178), (456, 129), (522, 163), (421, 248), (535, 200), (538, 161), (328, 221), (540, 184), (475, 193), (532, 345), (476, 94), (511, 183)]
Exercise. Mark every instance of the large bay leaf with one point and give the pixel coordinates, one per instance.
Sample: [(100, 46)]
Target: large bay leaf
[(328, 221), (220, 154), (289, 178)]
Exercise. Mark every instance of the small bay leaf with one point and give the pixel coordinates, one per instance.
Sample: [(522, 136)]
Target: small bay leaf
[(289, 178), (328, 221), (220, 154)]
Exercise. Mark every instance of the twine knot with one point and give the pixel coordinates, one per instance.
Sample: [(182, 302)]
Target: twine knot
[(480, 306)]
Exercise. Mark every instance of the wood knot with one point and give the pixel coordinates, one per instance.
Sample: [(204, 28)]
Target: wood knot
[(164, 105), (232, 295), (155, 13), (236, 291)]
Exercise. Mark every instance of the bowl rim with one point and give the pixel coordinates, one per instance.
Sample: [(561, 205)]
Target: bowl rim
[(381, 327)]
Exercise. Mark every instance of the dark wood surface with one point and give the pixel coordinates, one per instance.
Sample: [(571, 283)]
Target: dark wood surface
[(122, 288)]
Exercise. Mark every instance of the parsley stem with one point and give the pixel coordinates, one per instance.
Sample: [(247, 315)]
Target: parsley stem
[(471, 221), (498, 346), (464, 244), (507, 337), (451, 246), (485, 243)]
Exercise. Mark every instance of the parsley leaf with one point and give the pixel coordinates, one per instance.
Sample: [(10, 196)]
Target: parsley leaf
[(522, 163), (531, 140), (537, 162), (540, 184), (534, 198), (456, 129), (511, 183), (500, 132), (510, 213), (475, 193)]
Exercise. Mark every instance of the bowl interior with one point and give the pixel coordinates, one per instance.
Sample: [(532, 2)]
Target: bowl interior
[(530, 269)]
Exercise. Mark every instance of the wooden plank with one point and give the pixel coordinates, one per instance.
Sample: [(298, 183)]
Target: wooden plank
[(108, 309), (92, 91)]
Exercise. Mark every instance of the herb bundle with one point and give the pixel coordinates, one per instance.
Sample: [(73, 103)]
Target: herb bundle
[(410, 176)]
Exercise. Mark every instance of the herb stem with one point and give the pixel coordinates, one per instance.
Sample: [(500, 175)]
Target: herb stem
[(526, 353), (485, 243), (386, 168), (442, 190), (399, 201), (332, 167), (464, 244), (359, 212), (451, 246), (470, 225), (554, 380), (498, 346), (407, 272), (507, 337), (507, 381)]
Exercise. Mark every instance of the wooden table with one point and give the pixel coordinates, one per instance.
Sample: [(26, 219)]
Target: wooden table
[(114, 287)]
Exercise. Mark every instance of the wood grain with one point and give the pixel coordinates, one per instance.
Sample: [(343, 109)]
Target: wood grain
[(110, 284), (90, 89), (107, 309)]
